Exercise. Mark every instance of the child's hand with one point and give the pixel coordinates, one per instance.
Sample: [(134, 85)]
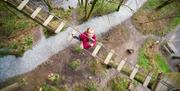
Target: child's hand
[(91, 44)]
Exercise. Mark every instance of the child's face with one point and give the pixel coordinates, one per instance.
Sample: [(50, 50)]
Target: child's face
[(90, 34)]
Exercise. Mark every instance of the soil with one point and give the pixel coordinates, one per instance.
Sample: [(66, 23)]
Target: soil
[(120, 38), (150, 22)]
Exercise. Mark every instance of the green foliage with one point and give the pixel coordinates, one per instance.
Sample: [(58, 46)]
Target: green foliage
[(87, 86), (104, 7), (77, 49), (95, 67), (161, 63), (74, 64), (151, 59), (54, 77), (174, 22), (28, 40), (47, 87), (65, 15), (151, 4), (11, 23), (64, 88), (143, 61), (118, 84), (91, 86)]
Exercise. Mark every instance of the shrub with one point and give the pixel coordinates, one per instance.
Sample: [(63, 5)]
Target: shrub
[(119, 84), (87, 86), (74, 64)]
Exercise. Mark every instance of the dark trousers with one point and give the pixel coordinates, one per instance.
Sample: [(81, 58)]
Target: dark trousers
[(77, 37)]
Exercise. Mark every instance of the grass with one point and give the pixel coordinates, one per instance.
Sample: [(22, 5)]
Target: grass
[(151, 59), (17, 47), (74, 64), (119, 84), (151, 4), (143, 61), (174, 22), (161, 63), (46, 87), (11, 23), (102, 7), (65, 15), (160, 22), (86, 86)]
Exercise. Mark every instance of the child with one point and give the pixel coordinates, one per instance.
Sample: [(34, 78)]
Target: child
[(88, 38)]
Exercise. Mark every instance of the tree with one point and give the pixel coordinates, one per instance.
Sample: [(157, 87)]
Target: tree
[(47, 2), (85, 8), (92, 8), (120, 3), (165, 3)]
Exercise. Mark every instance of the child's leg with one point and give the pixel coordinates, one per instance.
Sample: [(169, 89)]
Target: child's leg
[(76, 37), (81, 46)]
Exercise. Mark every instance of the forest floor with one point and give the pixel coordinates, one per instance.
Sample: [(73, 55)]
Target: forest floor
[(77, 68), (119, 38)]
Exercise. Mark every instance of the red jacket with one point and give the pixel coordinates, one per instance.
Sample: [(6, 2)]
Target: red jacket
[(86, 40)]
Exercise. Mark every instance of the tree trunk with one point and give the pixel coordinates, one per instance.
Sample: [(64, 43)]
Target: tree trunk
[(165, 3), (48, 4), (85, 8), (92, 8), (82, 2), (120, 3)]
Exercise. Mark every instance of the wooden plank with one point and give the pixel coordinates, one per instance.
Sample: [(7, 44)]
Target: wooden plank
[(35, 13), (135, 70), (11, 87), (147, 80), (173, 48), (96, 49), (60, 26), (50, 17), (22, 4), (109, 56), (165, 47), (175, 56), (120, 66)]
